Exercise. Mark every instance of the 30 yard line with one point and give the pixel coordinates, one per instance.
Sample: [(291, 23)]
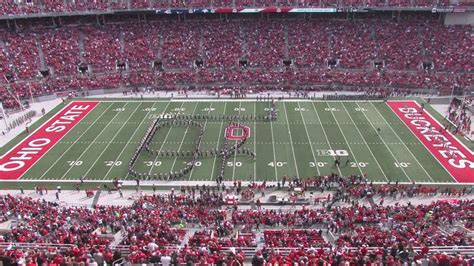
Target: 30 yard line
[(128, 142), (390, 151), (345, 139), (164, 141), (403, 142), (370, 150), (291, 141), (108, 144), (325, 135), (218, 140), (204, 130), (90, 145), (77, 139), (309, 139), (182, 141)]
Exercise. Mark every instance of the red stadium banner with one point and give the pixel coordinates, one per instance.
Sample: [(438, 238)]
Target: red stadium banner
[(452, 154), (18, 160)]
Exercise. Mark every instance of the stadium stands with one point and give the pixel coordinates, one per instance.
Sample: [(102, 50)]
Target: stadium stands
[(373, 52)]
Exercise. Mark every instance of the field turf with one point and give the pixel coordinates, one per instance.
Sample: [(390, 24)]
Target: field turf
[(304, 141)]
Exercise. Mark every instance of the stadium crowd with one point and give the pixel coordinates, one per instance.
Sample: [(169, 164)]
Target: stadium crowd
[(58, 6), (154, 228), (376, 53)]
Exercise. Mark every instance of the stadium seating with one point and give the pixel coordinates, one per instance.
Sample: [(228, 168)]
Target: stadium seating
[(238, 53)]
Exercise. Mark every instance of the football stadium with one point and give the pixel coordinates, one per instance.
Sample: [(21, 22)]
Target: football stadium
[(236, 132)]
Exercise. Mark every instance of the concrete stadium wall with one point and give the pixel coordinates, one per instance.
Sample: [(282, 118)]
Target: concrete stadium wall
[(459, 19)]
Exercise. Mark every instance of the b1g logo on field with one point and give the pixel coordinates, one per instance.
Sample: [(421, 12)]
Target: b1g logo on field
[(237, 132)]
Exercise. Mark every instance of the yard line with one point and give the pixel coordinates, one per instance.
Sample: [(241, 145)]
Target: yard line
[(77, 139), (129, 141), (370, 150), (273, 144), (309, 139), (325, 135), (396, 160), (402, 142), (235, 143), (90, 145), (291, 141), (108, 144), (204, 130), (164, 141), (345, 139), (218, 140), (255, 142), (184, 137)]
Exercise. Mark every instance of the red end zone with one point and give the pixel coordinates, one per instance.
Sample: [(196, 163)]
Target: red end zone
[(18, 160), (456, 158)]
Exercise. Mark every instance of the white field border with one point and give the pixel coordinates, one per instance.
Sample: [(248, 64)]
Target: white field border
[(59, 140), (429, 151)]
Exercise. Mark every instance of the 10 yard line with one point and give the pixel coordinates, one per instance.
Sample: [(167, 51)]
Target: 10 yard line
[(291, 141), (77, 139), (90, 145), (396, 160), (309, 139), (403, 142), (128, 142)]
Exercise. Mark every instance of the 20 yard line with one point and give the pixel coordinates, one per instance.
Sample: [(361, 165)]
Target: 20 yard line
[(182, 141), (110, 142), (164, 141), (218, 140), (77, 139), (403, 142), (325, 135), (390, 151), (370, 150), (345, 139), (309, 139), (90, 145), (204, 130), (128, 142), (291, 141)]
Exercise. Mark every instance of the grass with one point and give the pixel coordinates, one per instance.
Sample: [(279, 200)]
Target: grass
[(302, 142)]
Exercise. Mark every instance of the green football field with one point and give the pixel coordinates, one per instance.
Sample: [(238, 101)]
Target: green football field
[(303, 141)]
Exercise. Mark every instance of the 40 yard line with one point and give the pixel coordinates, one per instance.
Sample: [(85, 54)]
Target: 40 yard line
[(77, 139), (273, 144), (182, 141), (204, 130), (218, 140), (291, 141)]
